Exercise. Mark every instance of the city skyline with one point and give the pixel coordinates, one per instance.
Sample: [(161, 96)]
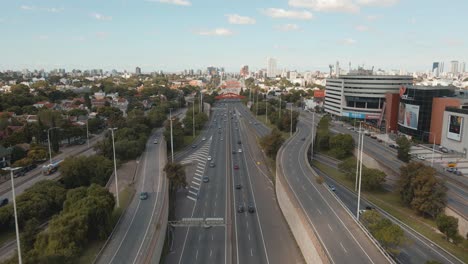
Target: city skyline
[(172, 35)]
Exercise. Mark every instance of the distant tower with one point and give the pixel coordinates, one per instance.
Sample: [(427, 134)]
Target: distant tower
[(441, 65), (454, 67), (349, 67), (331, 69), (337, 69), (271, 67), (137, 70), (435, 69), (462, 67)]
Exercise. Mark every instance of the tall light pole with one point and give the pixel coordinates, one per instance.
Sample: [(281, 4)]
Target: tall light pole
[(312, 138), (291, 119), (266, 112), (256, 105), (357, 158), (87, 131), (360, 178), (279, 113), (14, 211), (172, 139), (115, 168), (48, 139), (193, 119)]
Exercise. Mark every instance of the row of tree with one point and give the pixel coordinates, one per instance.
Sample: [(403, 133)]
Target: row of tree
[(372, 179)]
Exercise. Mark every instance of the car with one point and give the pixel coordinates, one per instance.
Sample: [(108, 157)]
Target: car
[(459, 173), (143, 195), (236, 167), (240, 151), (238, 186), (251, 209), (239, 142), (332, 187), (4, 202), (393, 146), (369, 208), (155, 141), (303, 139), (203, 138), (206, 179), (379, 140), (194, 146), (212, 164), (221, 139), (451, 169), (219, 131), (234, 152), (373, 136), (240, 209), (209, 158), (419, 157), (362, 211), (444, 149)]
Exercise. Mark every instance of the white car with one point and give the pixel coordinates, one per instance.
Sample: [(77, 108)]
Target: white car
[(155, 141), (240, 151), (421, 157), (203, 139), (209, 157)]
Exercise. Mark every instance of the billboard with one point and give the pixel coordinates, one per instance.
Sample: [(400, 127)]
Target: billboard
[(319, 93), (455, 125), (408, 115)]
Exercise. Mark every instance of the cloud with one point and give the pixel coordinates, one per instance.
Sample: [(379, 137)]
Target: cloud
[(281, 13), (287, 27), (377, 2), (372, 17), (101, 17), (45, 9), (346, 6), (348, 41), (215, 32), (173, 2), (361, 28), (102, 34), (240, 20)]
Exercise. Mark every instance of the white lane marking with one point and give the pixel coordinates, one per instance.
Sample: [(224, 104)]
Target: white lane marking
[(303, 188), (319, 211), (251, 252), (215, 204), (194, 193), (196, 183), (343, 248), (191, 198), (211, 252), (211, 237), (196, 255), (330, 227), (193, 187), (200, 171), (249, 236), (198, 174)]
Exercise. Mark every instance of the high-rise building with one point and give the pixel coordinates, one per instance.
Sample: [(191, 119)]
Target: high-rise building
[(462, 67), (137, 70), (441, 66), (454, 67), (271, 67), (244, 71), (337, 68), (435, 69)]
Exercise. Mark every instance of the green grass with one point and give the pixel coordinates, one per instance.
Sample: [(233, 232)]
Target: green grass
[(390, 202), (93, 247)]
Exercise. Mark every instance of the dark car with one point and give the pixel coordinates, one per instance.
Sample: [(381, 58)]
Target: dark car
[(206, 179), (3, 202), (233, 152), (239, 142), (238, 186), (143, 195), (303, 139), (212, 164), (332, 187), (240, 209), (194, 146), (251, 209), (236, 167)]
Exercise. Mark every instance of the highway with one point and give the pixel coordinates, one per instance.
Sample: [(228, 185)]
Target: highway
[(247, 237), (456, 194), (418, 250), (33, 176), (340, 236), (131, 240)]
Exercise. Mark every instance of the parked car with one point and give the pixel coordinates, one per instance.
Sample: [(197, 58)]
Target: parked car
[(444, 149), (451, 169), (459, 173), (421, 157)]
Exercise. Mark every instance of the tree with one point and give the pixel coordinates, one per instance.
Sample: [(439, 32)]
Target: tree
[(341, 145), (448, 225), (83, 171), (17, 153), (421, 190), (37, 153), (390, 235), (177, 133), (372, 179), (404, 146), (271, 143), (177, 179)]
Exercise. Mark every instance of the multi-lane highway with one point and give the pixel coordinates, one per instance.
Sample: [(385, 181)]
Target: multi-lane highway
[(417, 250), (237, 179), (131, 240)]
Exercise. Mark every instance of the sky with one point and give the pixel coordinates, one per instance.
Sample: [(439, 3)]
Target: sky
[(173, 35)]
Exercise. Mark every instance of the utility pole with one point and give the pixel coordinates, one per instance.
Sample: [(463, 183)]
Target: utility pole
[(172, 139), (256, 106), (48, 139), (87, 131), (115, 168), (312, 138), (193, 117), (357, 158), (360, 178), (20, 261), (280, 108), (266, 112), (291, 120)]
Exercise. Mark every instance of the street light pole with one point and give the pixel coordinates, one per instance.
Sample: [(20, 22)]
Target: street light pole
[(87, 131), (291, 119), (172, 139), (20, 261), (256, 106), (360, 178), (193, 117), (115, 168), (266, 112), (312, 138), (48, 139), (357, 157), (279, 113)]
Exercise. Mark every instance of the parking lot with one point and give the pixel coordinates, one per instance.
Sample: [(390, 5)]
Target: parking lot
[(452, 162)]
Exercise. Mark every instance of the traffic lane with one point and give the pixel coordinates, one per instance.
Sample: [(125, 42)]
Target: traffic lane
[(416, 251), (21, 187), (327, 212), (249, 236), (201, 243), (127, 251)]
